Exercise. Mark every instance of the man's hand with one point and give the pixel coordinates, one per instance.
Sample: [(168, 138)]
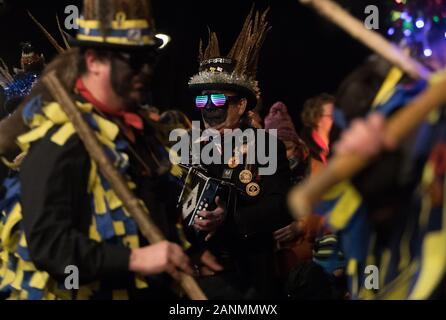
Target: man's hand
[(210, 221), (289, 233), (158, 258), (207, 264), (364, 137)]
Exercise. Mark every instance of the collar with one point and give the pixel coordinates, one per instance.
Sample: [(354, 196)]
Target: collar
[(130, 119), (320, 142)]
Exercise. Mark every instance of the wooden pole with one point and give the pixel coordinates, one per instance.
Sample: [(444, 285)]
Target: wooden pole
[(377, 43), (302, 198), (134, 206)]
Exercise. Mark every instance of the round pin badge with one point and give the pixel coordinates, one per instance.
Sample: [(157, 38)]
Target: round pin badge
[(252, 189), (245, 176)]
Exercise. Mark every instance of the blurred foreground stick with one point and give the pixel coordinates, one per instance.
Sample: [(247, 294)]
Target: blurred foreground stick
[(302, 198), (134, 206)]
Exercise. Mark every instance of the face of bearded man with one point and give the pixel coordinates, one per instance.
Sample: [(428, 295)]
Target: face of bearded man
[(130, 79)]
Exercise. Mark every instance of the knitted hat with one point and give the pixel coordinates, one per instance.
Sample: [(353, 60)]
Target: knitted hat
[(279, 118)]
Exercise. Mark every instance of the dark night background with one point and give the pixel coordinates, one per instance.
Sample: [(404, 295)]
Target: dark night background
[(303, 55)]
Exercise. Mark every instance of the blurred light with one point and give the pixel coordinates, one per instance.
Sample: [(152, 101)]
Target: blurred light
[(436, 19), (419, 24), (391, 31), (407, 32), (427, 52), (405, 16), (165, 38)]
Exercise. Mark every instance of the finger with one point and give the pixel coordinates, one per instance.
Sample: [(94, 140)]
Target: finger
[(376, 120), (179, 259), (209, 236), (218, 211), (282, 238), (218, 202), (203, 224), (204, 214), (173, 272), (280, 230), (210, 261)]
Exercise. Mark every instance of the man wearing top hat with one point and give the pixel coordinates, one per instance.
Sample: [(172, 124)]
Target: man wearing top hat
[(238, 229), (65, 233)]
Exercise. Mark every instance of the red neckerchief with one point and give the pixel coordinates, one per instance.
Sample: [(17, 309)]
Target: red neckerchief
[(320, 142), (130, 119)]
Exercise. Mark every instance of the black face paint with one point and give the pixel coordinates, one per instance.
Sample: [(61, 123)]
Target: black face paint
[(122, 77), (214, 116)]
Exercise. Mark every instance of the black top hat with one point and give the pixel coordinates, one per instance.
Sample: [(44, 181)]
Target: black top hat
[(123, 25), (236, 71)]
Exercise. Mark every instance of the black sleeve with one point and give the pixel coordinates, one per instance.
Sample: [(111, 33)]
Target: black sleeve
[(56, 213), (268, 212)]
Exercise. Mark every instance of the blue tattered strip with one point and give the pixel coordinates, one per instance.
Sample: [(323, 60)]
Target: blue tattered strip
[(12, 186), (23, 253), (33, 293), (33, 106)]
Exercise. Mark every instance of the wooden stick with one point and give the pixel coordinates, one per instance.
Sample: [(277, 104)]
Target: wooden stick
[(336, 14), (134, 206), (302, 198)]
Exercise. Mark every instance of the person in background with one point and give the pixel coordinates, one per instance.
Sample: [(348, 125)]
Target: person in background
[(317, 118), (295, 241)]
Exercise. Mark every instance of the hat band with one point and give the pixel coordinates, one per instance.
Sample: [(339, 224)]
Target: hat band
[(124, 32), (115, 24)]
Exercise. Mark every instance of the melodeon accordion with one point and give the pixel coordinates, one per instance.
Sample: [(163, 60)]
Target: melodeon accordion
[(199, 193)]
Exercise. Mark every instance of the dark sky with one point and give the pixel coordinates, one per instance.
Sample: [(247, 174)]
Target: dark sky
[(303, 55)]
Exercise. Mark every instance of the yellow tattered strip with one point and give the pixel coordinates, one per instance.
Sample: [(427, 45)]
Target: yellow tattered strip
[(39, 280), (119, 228), (388, 87), (433, 260), (99, 198), (63, 134), (93, 232), (131, 242), (113, 201), (345, 208), (336, 191), (352, 272), (37, 120), (17, 283), (120, 295), (54, 112), (93, 177), (8, 278), (8, 240), (106, 128), (84, 293), (33, 135), (140, 282), (106, 142), (182, 236)]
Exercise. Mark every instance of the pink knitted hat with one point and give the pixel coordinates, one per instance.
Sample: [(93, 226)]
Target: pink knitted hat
[(278, 118)]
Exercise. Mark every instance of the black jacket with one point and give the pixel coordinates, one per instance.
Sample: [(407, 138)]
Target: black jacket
[(244, 243), (57, 212)]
